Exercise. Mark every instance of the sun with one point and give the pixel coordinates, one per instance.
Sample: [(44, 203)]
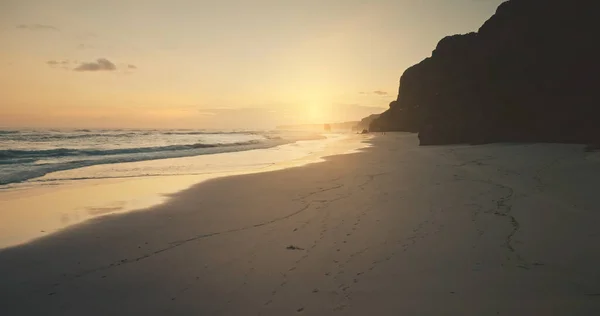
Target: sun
[(314, 113)]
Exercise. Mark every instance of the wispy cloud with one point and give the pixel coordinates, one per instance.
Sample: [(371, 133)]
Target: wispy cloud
[(64, 64), (37, 27), (344, 107), (376, 92), (101, 64), (86, 36), (84, 46)]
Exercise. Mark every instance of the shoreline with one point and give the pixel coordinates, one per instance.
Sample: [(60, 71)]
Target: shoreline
[(26, 217), (104, 158), (482, 230)]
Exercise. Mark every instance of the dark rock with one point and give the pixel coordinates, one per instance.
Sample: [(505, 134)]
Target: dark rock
[(365, 122), (528, 74)]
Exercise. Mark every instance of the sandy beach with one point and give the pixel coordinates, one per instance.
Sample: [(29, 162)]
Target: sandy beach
[(395, 229)]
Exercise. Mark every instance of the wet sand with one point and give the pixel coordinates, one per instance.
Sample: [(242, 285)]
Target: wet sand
[(394, 230), (63, 199)]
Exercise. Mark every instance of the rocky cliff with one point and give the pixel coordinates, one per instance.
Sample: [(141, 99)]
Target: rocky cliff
[(365, 123), (528, 74)]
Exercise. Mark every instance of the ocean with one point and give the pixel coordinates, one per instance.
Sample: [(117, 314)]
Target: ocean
[(32, 155)]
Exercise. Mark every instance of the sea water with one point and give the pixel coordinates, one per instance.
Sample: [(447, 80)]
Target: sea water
[(36, 156)]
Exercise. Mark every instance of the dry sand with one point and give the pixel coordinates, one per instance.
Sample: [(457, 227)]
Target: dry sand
[(395, 230)]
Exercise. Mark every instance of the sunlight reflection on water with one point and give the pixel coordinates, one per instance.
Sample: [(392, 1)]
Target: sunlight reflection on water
[(35, 209)]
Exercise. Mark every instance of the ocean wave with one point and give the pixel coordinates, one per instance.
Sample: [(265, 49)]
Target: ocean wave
[(26, 172), (88, 134), (29, 154), (69, 152), (3, 132), (206, 132), (52, 137)]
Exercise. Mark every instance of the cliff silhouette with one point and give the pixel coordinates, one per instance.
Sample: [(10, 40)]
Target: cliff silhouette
[(365, 123), (528, 74)]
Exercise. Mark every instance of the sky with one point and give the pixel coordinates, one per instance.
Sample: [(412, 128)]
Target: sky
[(214, 64)]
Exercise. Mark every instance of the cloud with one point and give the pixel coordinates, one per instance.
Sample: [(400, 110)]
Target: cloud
[(64, 64), (84, 46), (271, 115), (37, 27), (357, 109), (86, 36), (101, 64), (376, 92)]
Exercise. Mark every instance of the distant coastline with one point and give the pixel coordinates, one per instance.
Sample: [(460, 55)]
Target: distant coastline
[(345, 126)]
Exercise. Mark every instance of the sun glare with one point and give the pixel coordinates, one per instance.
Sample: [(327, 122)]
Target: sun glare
[(314, 113)]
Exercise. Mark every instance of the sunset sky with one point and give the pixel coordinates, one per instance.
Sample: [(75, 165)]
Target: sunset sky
[(214, 64)]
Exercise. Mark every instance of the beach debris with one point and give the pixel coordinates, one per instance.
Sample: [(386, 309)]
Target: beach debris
[(292, 247)]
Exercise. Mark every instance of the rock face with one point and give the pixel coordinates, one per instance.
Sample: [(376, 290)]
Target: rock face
[(529, 74), (364, 123)]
